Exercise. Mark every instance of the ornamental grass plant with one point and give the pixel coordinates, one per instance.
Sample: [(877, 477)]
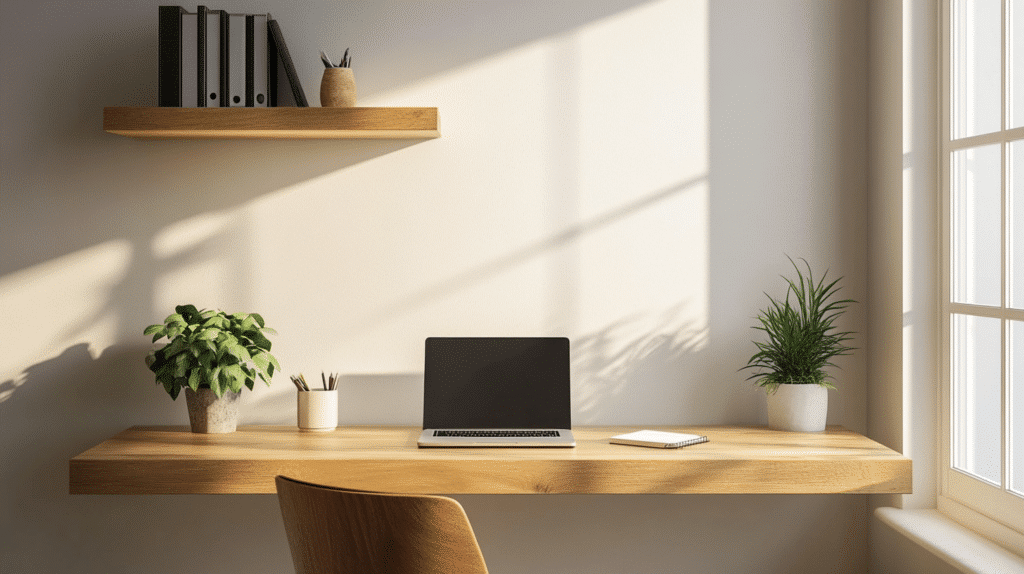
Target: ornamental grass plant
[(802, 338)]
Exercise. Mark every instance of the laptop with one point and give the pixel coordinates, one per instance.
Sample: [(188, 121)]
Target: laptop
[(496, 392)]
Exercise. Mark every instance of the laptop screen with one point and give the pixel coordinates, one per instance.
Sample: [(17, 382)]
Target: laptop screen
[(496, 382)]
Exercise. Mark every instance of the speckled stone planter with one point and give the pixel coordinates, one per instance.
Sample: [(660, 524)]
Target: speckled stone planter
[(208, 413)]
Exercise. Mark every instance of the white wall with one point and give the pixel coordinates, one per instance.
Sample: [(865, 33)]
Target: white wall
[(627, 173), (902, 243)]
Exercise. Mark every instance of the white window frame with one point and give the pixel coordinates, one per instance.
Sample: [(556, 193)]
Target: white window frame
[(965, 498)]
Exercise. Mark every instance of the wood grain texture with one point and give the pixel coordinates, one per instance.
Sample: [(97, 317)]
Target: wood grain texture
[(272, 123), (337, 530), (749, 460)]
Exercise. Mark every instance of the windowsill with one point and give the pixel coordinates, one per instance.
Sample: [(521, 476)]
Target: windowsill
[(955, 544), (971, 519)]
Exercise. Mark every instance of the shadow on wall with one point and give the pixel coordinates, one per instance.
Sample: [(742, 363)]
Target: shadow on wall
[(363, 399), (434, 38), (616, 369), (64, 406), (64, 159), (648, 533), (787, 167), (76, 390), (167, 180)]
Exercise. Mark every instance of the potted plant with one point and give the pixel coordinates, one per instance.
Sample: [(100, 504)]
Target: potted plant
[(211, 355), (802, 341)]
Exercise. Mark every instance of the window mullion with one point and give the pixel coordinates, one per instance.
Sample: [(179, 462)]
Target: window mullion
[(1004, 259), (1001, 136)]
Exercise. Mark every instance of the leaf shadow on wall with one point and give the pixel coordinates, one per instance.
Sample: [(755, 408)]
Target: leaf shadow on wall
[(632, 371), (62, 407), (75, 388), (615, 373)]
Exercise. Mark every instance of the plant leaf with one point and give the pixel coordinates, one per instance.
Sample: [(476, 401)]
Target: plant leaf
[(189, 313), (195, 378), (181, 365), (212, 374), (174, 318), (208, 334), (239, 352), (233, 377), (247, 324), (213, 379), (260, 341)]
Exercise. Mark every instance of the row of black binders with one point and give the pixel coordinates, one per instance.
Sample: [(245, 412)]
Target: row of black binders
[(211, 58)]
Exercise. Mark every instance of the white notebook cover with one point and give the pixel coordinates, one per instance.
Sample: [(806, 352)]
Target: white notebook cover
[(658, 439)]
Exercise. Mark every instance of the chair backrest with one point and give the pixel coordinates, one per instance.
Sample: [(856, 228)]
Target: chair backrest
[(335, 530)]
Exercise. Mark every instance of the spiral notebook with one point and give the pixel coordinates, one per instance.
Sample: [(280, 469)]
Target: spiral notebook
[(658, 439)]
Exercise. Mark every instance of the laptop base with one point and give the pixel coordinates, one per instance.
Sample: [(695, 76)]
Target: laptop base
[(492, 439)]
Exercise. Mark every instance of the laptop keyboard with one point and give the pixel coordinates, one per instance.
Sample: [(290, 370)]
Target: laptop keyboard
[(498, 433)]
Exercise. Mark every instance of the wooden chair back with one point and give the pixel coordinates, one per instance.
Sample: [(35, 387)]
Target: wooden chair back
[(335, 530)]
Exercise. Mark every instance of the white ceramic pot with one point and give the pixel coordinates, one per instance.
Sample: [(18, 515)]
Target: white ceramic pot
[(318, 410), (208, 413), (800, 408)]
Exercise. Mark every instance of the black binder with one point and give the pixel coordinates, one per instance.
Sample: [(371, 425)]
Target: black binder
[(250, 57), (258, 60), (169, 56), (201, 60), (225, 88), (238, 65), (272, 60), (212, 67), (277, 41)]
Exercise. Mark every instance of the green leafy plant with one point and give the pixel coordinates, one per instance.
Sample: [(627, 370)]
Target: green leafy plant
[(211, 349), (802, 339)]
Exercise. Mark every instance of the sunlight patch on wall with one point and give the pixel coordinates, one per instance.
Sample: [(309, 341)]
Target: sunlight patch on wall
[(643, 102), (204, 260), (34, 310), (444, 236), (567, 195), (643, 149)]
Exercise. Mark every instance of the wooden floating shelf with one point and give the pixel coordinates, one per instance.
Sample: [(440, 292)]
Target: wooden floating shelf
[(272, 123)]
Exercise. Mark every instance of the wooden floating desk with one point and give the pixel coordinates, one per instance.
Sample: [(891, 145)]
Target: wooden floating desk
[(736, 460)]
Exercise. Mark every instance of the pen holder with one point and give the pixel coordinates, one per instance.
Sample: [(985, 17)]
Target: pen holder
[(318, 410), (338, 88)]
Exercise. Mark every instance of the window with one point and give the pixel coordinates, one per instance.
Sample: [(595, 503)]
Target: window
[(982, 297)]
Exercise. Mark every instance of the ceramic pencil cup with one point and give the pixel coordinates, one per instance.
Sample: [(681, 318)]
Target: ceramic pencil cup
[(318, 410), (338, 88)]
